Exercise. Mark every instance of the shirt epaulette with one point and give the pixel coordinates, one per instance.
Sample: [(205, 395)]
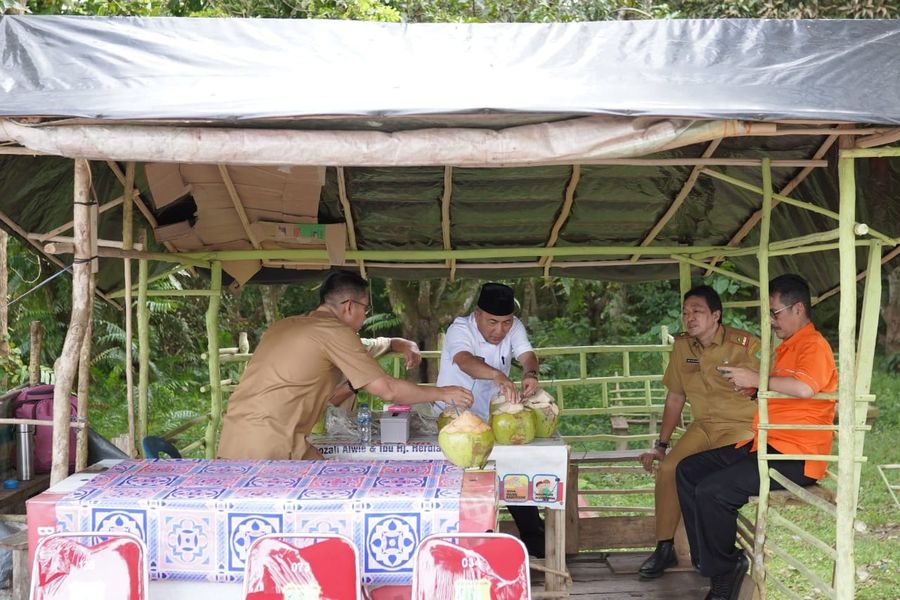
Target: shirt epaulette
[(737, 337), (684, 335)]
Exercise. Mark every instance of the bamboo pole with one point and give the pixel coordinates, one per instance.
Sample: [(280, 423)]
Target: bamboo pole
[(203, 258), (43, 237), (845, 572), (793, 202), (34, 355), (46, 254), (238, 205), (865, 354), (759, 538), (884, 259), (445, 217), (212, 348), (682, 195), (139, 202), (128, 244), (84, 383), (143, 350), (53, 248), (66, 364), (720, 271), (17, 421), (750, 223), (878, 139), (348, 218), (564, 211), (65, 239), (436, 255), (4, 305), (164, 275)]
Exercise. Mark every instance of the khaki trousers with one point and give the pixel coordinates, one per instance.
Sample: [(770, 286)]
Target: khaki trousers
[(699, 437)]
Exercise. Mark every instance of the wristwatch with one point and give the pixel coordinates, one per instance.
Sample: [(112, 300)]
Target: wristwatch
[(531, 373), (662, 444)]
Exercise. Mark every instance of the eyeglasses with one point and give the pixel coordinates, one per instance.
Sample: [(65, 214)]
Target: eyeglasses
[(774, 313), (367, 308)]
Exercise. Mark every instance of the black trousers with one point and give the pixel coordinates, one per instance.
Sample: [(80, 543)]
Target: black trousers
[(531, 527), (712, 487)]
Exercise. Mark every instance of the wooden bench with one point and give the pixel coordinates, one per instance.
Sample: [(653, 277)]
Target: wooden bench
[(13, 501), (615, 531)]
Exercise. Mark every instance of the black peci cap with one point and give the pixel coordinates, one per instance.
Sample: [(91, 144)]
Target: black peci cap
[(496, 299)]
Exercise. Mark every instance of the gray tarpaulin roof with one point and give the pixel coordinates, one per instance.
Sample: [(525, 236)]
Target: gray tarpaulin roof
[(363, 100), (242, 69)]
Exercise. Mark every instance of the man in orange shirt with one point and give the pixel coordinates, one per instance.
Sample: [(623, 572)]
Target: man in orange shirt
[(714, 485)]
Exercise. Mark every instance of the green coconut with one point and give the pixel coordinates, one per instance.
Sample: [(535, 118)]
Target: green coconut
[(446, 418), (319, 425), (546, 414), (466, 441), (513, 427)]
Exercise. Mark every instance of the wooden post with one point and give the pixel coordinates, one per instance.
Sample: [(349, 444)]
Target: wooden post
[(143, 348), (143, 321), (215, 376), (573, 532), (845, 572), (84, 383), (128, 244), (865, 355), (67, 363), (759, 540), (4, 306), (684, 278), (34, 358)]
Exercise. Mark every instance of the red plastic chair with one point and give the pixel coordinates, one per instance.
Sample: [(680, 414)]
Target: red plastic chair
[(112, 568), (326, 567), (473, 566)]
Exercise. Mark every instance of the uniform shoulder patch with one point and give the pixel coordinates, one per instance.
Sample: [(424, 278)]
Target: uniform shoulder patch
[(736, 336)]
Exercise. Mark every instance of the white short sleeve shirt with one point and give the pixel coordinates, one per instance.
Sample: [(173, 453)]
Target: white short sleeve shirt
[(463, 336)]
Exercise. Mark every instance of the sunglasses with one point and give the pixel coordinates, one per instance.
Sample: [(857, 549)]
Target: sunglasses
[(774, 313)]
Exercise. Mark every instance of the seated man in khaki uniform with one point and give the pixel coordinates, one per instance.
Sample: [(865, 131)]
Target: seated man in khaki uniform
[(295, 369), (721, 415)]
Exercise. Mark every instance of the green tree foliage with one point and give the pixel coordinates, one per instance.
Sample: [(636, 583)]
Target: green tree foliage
[(473, 11)]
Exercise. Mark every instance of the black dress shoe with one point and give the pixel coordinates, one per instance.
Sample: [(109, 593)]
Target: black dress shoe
[(661, 559), (728, 586)]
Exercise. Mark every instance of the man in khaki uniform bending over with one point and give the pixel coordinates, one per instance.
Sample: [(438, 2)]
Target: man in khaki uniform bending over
[(721, 415), (295, 369)]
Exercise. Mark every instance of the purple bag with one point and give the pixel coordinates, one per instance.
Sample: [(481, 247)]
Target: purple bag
[(37, 403)]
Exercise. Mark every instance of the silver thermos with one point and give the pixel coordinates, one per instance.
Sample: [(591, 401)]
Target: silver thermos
[(24, 451)]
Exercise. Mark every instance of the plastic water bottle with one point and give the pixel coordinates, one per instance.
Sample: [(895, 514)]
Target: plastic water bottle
[(364, 423)]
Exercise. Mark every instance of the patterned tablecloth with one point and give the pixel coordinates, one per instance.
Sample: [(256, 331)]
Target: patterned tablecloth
[(199, 517), (533, 474)]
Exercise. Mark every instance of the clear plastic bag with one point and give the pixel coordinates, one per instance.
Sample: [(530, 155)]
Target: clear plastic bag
[(422, 421)]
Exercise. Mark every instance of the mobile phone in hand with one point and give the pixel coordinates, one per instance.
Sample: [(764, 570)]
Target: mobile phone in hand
[(723, 371)]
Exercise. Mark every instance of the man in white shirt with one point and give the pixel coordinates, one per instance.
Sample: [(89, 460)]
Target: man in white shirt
[(477, 355), (478, 351)]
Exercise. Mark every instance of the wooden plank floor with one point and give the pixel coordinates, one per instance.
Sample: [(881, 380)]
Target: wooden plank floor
[(614, 577)]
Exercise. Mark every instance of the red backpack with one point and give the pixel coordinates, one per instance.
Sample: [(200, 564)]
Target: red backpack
[(37, 403)]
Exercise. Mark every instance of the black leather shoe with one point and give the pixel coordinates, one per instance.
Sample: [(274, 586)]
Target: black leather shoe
[(728, 586), (661, 559)]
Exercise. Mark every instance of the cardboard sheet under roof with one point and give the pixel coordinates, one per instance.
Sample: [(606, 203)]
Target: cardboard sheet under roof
[(264, 75)]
